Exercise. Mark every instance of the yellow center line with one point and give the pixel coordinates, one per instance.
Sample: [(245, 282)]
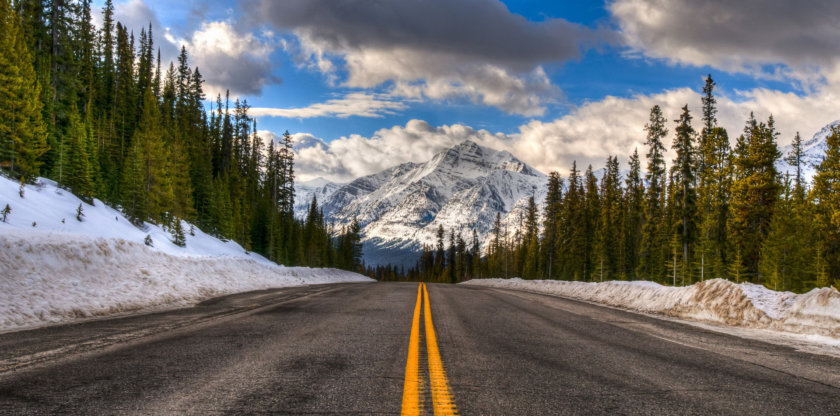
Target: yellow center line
[(442, 400), (412, 386)]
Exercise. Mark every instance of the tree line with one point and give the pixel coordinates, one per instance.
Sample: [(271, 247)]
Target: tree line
[(96, 111), (718, 211)]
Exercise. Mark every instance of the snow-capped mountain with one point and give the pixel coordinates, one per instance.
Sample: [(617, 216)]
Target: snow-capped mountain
[(319, 187), (813, 153), (461, 188)]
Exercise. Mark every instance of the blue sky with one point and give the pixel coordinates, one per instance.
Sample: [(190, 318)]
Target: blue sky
[(549, 81)]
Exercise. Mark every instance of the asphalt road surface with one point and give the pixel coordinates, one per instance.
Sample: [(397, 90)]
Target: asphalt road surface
[(348, 348)]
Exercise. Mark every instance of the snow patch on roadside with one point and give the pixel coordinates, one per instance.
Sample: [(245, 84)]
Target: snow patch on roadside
[(718, 301), (52, 277)]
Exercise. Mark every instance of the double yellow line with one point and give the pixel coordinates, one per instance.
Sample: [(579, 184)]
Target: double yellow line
[(442, 401)]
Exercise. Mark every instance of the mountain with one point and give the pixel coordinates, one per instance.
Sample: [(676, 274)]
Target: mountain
[(400, 208), (813, 153), (304, 191)]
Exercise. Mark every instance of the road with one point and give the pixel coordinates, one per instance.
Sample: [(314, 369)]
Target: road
[(347, 349)]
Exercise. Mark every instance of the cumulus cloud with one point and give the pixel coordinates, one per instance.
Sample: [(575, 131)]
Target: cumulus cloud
[(587, 135), (353, 104), (227, 57), (353, 156), (474, 49), (743, 36)]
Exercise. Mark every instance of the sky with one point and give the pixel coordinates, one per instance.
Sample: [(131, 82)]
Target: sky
[(366, 84)]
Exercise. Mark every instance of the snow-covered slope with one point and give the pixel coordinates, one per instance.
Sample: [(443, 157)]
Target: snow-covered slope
[(813, 153), (719, 301), (463, 187), (54, 268), (45, 207)]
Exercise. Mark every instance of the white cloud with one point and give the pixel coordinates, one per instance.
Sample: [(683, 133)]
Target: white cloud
[(353, 104), (230, 59), (227, 57), (590, 133)]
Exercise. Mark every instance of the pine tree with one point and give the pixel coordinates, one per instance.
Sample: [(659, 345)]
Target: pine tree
[(786, 253), (826, 194), (686, 198), (79, 173), (551, 224), (754, 191), (531, 241), (794, 159), (178, 237), (23, 134), (607, 242), (651, 261), (634, 217), (591, 211)]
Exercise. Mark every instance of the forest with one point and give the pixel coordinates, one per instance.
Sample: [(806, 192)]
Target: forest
[(718, 210), (96, 111)]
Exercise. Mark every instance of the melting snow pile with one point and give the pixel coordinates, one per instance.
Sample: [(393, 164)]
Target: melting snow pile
[(62, 269), (720, 301)]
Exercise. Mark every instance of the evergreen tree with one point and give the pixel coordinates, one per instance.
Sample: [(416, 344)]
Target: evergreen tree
[(652, 259), (551, 225), (826, 194), (634, 217), (178, 237), (794, 159), (591, 211), (786, 253), (531, 241), (79, 172), (23, 134), (754, 191), (686, 199)]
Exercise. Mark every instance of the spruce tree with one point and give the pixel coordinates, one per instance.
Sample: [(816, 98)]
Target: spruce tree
[(178, 237), (794, 159), (686, 198), (651, 260), (754, 191), (634, 217), (551, 224), (80, 213), (826, 194), (79, 173), (23, 134), (591, 211)]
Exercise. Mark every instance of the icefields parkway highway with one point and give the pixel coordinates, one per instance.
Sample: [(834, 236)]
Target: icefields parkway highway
[(390, 348)]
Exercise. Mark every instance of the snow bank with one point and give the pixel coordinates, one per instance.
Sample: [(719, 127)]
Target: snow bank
[(51, 208), (52, 277), (720, 301), (61, 269)]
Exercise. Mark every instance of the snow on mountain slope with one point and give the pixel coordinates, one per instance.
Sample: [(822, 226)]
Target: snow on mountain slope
[(813, 153), (54, 268), (460, 188), (320, 188)]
